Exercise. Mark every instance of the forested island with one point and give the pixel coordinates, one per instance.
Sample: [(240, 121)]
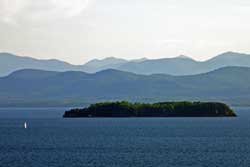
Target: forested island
[(161, 109)]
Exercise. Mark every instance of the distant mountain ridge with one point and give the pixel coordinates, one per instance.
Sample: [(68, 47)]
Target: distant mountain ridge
[(10, 63), (181, 65), (98, 65), (47, 88)]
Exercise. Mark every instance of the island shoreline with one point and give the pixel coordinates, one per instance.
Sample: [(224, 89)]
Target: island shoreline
[(124, 109)]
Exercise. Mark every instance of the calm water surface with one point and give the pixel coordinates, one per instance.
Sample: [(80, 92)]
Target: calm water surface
[(52, 141)]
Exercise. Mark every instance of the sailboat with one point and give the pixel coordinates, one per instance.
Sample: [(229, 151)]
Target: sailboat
[(25, 125)]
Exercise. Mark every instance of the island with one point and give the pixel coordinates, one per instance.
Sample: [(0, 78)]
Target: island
[(161, 109)]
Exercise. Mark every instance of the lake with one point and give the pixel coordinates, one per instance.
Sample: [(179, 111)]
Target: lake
[(53, 141)]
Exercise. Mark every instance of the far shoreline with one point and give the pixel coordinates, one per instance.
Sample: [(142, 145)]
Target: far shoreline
[(81, 106)]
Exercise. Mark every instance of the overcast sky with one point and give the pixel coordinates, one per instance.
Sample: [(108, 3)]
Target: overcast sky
[(79, 30)]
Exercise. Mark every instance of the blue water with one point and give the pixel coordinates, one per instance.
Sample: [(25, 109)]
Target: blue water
[(52, 141)]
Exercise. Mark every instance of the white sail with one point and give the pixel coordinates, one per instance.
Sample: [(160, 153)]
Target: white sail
[(25, 125)]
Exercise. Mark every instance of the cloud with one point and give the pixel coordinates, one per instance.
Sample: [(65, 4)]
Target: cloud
[(73, 7), (171, 42), (11, 11)]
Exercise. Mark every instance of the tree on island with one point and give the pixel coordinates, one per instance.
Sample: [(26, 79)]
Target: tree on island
[(161, 109)]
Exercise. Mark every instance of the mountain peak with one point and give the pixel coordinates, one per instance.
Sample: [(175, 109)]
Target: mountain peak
[(112, 58), (231, 53), (183, 57), (140, 60), (234, 57), (6, 53), (105, 61)]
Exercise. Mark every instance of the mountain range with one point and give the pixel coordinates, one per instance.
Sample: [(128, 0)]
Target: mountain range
[(178, 66), (31, 87)]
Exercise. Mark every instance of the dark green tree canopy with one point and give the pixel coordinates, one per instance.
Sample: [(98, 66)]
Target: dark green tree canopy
[(161, 109)]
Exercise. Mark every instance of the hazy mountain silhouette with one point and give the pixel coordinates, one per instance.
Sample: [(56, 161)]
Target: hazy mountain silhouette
[(10, 63), (35, 87), (98, 65), (181, 65), (173, 66)]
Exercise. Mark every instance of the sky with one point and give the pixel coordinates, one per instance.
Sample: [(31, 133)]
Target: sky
[(77, 31)]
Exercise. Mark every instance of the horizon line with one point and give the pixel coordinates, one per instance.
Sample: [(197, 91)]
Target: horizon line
[(129, 60)]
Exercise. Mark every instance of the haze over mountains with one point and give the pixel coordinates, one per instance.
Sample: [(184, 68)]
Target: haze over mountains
[(181, 65), (186, 66), (47, 88), (27, 81), (10, 63)]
